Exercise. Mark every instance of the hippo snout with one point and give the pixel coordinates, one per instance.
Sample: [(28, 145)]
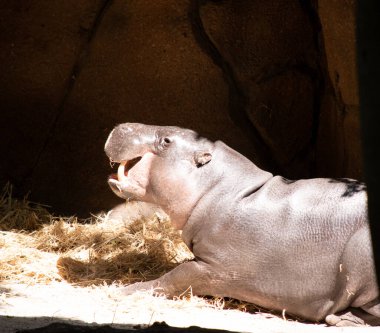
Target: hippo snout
[(129, 141)]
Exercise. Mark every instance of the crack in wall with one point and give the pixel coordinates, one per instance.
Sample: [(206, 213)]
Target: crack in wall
[(237, 97), (315, 22), (311, 10), (74, 74)]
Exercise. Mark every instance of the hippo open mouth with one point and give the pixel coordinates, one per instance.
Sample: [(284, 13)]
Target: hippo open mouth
[(123, 169), (131, 178)]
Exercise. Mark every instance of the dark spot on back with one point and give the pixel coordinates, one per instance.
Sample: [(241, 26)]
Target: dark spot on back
[(352, 186)]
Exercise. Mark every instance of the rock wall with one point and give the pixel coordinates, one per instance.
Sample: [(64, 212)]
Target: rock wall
[(339, 144), (275, 80)]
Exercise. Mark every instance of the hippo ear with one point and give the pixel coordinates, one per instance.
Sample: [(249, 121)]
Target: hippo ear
[(201, 158)]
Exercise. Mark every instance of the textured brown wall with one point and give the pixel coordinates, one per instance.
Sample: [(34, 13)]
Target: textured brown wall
[(339, 146), (273, 79)]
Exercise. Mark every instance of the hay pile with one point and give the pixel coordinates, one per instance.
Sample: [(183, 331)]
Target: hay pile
[(40, 248)]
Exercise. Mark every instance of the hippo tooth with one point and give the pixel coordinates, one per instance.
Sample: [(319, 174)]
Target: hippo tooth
[(121, 172)]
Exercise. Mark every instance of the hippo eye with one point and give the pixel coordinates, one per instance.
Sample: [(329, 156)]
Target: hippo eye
[(165, 142)]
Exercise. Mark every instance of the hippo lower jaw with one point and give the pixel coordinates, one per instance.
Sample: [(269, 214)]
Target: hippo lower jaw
[(126, 190), (131, 179)]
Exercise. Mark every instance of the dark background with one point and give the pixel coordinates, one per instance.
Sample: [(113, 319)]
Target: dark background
[(368, 32), (276, 80)]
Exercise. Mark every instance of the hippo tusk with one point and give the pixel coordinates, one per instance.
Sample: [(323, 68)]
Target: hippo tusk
[(121, 172)]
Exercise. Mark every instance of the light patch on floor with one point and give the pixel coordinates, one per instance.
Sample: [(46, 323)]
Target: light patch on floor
[(106, 305)]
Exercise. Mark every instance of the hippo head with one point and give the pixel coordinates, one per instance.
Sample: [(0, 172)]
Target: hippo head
[(157, 163)]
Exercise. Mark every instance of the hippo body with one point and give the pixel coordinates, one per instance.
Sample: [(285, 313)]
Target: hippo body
[(297, 246)]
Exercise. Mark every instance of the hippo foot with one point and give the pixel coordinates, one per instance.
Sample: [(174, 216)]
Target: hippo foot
[(343, 320), (142, 286)]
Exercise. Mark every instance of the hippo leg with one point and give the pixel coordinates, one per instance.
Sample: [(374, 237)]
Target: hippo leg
[(367, 315), (373, 313), (190, 275), (359, 247)]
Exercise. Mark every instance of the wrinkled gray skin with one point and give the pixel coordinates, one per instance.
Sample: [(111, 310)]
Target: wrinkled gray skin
[(300, 246)]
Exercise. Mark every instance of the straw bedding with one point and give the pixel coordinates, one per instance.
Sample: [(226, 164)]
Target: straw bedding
[(97, 250)]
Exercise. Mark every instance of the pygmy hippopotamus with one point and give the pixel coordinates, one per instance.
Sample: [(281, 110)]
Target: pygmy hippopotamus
[(300, 246)]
